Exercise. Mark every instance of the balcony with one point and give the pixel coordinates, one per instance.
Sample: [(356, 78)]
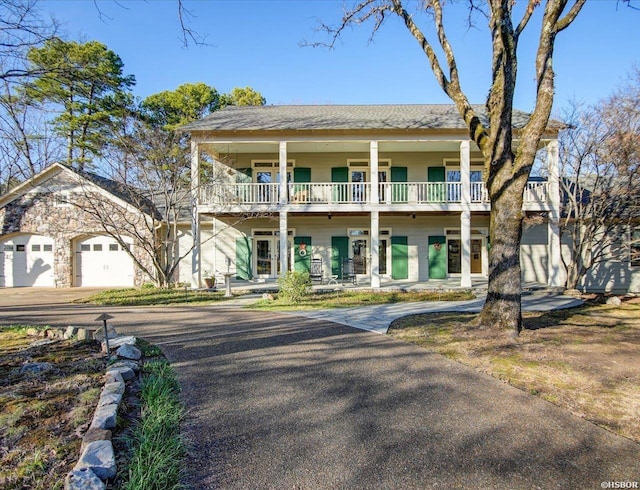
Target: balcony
[(323, 194)]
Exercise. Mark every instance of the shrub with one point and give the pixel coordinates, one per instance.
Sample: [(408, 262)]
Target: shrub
[(294, 286)]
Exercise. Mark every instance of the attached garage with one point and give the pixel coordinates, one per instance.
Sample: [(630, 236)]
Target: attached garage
[(101, 262), (26, 260)]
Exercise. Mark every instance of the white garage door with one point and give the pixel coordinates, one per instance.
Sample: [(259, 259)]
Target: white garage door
[(100, 261), (26, 260)]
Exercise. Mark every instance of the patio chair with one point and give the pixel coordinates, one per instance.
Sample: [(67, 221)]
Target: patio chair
[(316, 270), (348, 272)]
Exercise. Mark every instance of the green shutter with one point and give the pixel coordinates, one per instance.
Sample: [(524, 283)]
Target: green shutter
[(302, 263), (437, 257), (399, 257), (243, 258), (339, 251), (302, 174), (399, 191), (436, 192), (340, 175)]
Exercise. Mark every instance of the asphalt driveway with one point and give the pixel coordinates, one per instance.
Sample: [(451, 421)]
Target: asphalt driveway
[(276, 401)]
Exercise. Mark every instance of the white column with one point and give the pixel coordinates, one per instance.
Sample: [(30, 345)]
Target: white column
[(555, 276), (465, 216), (375, 249), (195, 218), (373, 159), (283, 172), (284, 248)]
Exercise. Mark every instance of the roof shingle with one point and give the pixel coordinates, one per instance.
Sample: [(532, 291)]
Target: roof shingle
[(339, 117)]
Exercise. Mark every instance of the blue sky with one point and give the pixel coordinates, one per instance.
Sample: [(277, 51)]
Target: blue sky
[(257, 43)]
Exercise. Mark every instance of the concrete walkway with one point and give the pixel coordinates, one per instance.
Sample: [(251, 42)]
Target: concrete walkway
[(378, 318), (275, 401)]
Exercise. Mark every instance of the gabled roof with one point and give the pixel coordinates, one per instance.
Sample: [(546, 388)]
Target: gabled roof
[(341, 117), (116, 191)]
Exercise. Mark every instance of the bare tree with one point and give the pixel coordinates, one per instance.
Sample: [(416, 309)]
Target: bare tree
[(505, 171), (601, 181), (21, 28), (25, 140)]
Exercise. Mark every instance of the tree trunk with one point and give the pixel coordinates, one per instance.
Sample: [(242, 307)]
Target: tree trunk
[(502, 308)]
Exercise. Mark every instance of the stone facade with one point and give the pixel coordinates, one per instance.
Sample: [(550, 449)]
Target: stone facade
[(41, 211)]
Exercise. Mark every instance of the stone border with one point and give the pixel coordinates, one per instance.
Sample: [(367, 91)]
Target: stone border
[(97, 462)]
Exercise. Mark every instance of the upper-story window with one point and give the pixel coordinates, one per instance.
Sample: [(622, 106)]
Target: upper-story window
[(268, 172), (453, 174)]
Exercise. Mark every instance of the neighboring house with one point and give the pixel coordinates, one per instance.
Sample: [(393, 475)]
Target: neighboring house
[(47, 239), (381, 193)]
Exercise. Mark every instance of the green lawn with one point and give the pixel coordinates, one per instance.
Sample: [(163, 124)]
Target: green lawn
[(346, 299)]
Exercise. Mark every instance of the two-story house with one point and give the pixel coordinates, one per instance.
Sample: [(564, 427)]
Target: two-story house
[(375, 193)]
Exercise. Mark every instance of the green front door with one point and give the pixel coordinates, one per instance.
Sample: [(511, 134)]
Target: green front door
[(339, 251), (399, 257), (437, 257), (302, 253)]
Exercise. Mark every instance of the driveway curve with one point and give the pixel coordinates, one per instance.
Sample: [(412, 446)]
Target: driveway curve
[(276, 401)]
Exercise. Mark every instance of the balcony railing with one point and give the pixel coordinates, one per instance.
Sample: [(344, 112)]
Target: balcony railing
[(357, 193)]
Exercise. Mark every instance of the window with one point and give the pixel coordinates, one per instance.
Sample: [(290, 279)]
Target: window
[(97, 247), (8, 247), (20, 248), (47, 248), (61, 200), (35, 248), (113, 247), (634, 258), (85, 247)]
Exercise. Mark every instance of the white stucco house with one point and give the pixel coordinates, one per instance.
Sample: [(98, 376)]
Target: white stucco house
[(386, 192)]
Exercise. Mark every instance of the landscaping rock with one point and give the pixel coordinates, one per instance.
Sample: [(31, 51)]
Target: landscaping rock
[(614, 300), (110, 399), (116, 342), (105, 417), (126, 363), (93, 435), (41, 342), (83, 479), (129, 351), (70, 332), (36, 367), (98, 334), (83, 334), (33, 332), (113, 377), (98, 456), (126, 372), (117, 387), (53, 333)]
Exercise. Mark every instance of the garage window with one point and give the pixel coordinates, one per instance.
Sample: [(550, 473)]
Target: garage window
[(47, 248), (8, 247), (113, 247), (85, 247), (97, 247), (35, 248), (20, 248)]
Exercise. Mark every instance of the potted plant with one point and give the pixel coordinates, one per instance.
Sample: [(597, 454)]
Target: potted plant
[(209, 280)]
